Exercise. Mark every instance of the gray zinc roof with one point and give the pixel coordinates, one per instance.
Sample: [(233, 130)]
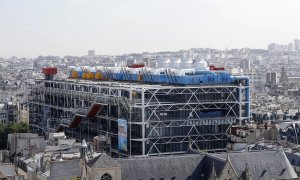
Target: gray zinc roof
[(210, 161), (8, 169), (102, 161), (262, 164), (180, 167), (294, 158)]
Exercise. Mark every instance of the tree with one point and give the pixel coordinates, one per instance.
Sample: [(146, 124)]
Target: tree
[(3, 136), (18, 127), (11, 128), (22, 127)]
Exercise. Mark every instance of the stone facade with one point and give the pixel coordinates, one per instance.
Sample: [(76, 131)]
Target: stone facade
[(102, 167)]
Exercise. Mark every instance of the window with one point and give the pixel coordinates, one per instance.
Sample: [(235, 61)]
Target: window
[(106, 177)]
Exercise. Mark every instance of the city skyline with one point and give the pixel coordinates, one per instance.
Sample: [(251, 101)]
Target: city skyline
[(71, 27)]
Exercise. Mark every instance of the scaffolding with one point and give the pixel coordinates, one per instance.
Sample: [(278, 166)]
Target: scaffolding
[(161, 119)]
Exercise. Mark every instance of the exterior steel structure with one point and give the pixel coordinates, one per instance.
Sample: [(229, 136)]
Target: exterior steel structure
[(161, 119)]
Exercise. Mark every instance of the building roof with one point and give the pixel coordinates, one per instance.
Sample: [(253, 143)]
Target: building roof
[(261, 164), (283, 125), (211, 161), (294, 158), (134, 85), (8, 169), (179, 166), (102, 161)]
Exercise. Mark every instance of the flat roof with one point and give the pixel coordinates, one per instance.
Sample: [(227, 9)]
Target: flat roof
[(136, 85)]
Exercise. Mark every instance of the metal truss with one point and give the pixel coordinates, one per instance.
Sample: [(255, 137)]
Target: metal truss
[(148, 110)]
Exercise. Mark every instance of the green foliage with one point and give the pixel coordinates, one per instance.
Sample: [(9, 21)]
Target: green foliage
[(18, 127), (3, 129), (9, 129)]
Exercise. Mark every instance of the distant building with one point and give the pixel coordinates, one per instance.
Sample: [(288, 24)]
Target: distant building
[(294, 79), (283, 76), (257, 79), (297, 44), (245, 64), (272, 47), (91, 53), (9, 112), (291, 47), (3, 114), (272, 78), (13, 112)]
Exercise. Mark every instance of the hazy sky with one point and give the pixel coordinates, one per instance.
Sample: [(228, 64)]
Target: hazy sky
[(71, 27)]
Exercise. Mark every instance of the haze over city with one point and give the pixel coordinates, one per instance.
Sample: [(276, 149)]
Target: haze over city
[(71, 27), (149, 90)]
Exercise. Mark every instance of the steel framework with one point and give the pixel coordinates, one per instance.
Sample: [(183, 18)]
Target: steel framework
[(161, 119)]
